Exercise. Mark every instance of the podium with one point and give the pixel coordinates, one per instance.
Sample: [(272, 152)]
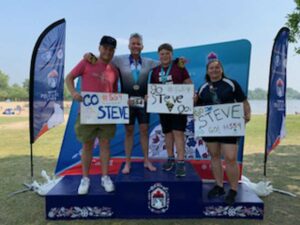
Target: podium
[(145, 194)]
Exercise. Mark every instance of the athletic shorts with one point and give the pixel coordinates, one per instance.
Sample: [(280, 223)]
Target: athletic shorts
[(171, 122), (138, 113), (87, 132), (225, 140)]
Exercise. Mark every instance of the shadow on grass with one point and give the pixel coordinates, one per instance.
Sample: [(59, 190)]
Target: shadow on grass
[(29, 208)]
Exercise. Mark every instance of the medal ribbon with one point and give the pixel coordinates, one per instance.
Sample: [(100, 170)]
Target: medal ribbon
[(164, 75), (135, 68)]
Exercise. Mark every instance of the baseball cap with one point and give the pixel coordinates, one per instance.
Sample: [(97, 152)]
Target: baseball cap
[(107, 40)]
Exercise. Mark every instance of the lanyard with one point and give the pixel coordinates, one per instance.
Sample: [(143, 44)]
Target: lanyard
[(164, 75), (213, 94), (135, 68)]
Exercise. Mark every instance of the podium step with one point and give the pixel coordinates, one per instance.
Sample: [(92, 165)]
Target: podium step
[(159, 194), (63, 202), (145, 194), (247, 205)]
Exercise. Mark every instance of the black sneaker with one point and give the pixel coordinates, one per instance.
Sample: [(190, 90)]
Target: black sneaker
[(169, 165), (230, 197), (216, 191), (180, 169)]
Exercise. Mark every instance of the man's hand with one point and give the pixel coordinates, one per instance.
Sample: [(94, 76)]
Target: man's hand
[(76, 96), (130, 102), (181, 62), (90, 57), (146, 98)]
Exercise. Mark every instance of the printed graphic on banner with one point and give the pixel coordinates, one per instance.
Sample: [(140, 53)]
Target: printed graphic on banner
[(104, 108), (275, 130), (194, 147), (46, 80), (235, 56), (219, 120), (170, 98)]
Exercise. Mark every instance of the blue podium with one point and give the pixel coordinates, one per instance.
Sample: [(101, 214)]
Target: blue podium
[(145, 194)]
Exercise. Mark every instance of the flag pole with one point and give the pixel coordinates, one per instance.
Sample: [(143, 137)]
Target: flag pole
[(41, 67), (267, 115)]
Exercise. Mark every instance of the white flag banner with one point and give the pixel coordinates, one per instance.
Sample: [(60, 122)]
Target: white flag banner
[(170, 98), (104, 108), (219, 120)]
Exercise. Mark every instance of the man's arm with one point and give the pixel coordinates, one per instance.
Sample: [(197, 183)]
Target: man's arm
[(92, 59), (70, 85)]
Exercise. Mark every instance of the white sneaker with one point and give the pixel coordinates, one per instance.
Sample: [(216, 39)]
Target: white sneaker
[(107, 183), (84, 186)]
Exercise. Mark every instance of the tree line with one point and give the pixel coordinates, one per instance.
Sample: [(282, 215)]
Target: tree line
[(18, 92), (261, 94)]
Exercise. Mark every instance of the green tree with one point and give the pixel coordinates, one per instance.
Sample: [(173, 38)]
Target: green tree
[(293, 22), (25, 85), (292, 94), (4, 86), (257, 93), (17, 93), (67, 95)]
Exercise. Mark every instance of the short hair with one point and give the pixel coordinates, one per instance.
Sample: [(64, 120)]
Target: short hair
[(136, 35), (165, 46)]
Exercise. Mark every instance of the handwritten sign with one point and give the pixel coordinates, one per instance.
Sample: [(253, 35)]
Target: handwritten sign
[(104, 108), (219, 120), (170, 98)]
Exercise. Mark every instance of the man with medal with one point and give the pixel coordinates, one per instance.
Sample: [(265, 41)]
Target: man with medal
[(134, 71)]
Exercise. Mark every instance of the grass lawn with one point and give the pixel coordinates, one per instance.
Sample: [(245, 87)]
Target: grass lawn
[(28, 208)]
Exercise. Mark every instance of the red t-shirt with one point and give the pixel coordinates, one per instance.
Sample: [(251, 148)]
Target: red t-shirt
[(99, 77), (176, 75)]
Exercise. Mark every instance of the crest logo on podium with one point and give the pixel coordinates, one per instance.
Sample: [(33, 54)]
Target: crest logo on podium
[(158, 198)]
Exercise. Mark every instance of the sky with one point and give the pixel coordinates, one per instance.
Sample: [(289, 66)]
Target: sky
[(183, 23)]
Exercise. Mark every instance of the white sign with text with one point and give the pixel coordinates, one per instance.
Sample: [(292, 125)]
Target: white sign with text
[(170, 98), (219, 120), (104, 108)]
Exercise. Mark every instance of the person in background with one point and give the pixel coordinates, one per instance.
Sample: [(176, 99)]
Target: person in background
[(218, 89), (99, 77)]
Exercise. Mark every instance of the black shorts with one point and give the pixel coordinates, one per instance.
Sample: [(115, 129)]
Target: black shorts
[(138, 113), (171, 122), (225, 140)]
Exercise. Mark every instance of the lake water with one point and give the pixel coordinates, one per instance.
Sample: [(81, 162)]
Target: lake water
[(260, 106)]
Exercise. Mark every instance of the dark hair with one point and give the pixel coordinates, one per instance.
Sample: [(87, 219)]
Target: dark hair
[(165, 46), (108, 40), (136, 35), (207, 78)]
